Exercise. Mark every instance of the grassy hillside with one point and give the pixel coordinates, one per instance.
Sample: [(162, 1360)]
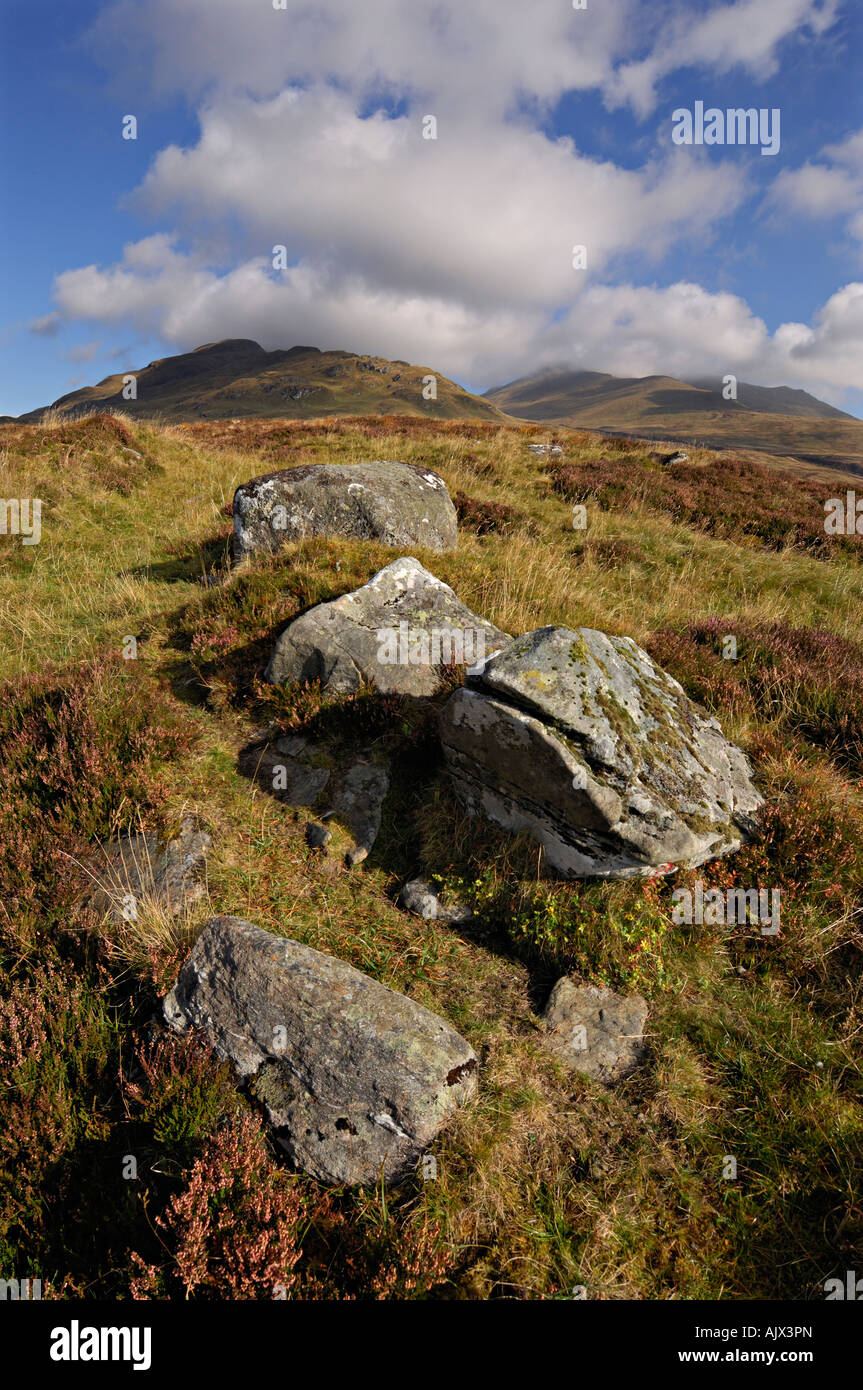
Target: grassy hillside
[(237, 377), (776, 420), (547, 1181)]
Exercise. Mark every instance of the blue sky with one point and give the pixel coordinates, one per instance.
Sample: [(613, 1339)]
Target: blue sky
[(303, 128)]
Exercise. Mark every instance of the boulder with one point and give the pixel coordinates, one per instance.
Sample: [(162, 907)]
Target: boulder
[(147, 865), (595, 1031), (580, 740), (400, 504), (397, 630), (355, 1079)]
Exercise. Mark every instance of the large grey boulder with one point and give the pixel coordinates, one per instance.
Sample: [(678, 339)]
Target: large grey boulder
[(400, 504), (595, 1031), (356, 1079), (397, 630), (580, 740)]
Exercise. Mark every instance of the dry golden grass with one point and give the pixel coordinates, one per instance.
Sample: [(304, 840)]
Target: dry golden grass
[(547, 1182)]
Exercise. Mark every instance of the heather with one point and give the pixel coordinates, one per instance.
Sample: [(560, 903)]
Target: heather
[(547, 1181), (730, 499)]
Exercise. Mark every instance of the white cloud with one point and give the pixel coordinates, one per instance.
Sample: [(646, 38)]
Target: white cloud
[(467, 54), (829, 185), (680, 330), (486, 213), (476, 55), (48, 326), (745, 34), (454, 253)]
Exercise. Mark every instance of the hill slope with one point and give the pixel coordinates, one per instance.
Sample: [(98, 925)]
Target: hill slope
[(236, 377), (777, 419), (549, 1181)]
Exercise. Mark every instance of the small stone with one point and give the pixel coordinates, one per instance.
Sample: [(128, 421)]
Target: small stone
[(317, 836), (419, 897), (595, 1031)]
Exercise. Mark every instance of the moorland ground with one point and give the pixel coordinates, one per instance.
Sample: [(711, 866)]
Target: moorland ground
[(547, 1181)]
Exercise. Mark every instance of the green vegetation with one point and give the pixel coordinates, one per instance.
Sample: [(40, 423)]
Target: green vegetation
[(547, 1180)]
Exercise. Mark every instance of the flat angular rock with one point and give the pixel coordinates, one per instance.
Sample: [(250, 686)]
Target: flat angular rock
[(356, 1079), (146, 865), (595, 1031), (358, 805), (400, 504), (579, 739), (397, 630), (286, 776)]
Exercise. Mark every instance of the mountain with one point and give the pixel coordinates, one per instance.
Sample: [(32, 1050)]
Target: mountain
[(236, 377), (775, 419)]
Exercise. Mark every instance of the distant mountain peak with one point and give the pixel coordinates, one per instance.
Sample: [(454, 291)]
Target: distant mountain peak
[(236, 377)]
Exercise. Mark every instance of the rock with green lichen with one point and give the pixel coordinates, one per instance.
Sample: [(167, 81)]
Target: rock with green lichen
[(579, 739), (355, 1079), (398, 630), (397, 503)]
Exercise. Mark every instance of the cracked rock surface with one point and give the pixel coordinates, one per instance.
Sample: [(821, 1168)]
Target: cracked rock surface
[(355, 1078), (579, 739), (397, 630), (397, 503)]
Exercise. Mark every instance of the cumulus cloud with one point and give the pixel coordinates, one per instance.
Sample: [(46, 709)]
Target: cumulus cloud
[(483, 213), (680, 330), (454, 253), (480, 55), (477, 55), (745, 34), (829, 185)]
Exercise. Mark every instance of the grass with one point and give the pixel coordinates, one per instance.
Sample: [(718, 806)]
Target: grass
[(547, 1181)]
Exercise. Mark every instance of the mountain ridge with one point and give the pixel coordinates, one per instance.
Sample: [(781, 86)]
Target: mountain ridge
[(561, 391), (237, 377), (658, 407)]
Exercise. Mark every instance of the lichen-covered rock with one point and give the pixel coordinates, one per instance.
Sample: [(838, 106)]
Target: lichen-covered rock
[(595, 1031), (356, 1079), (149, 866), (579, 739), (397, 630), (421, 898), (400, 504)]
